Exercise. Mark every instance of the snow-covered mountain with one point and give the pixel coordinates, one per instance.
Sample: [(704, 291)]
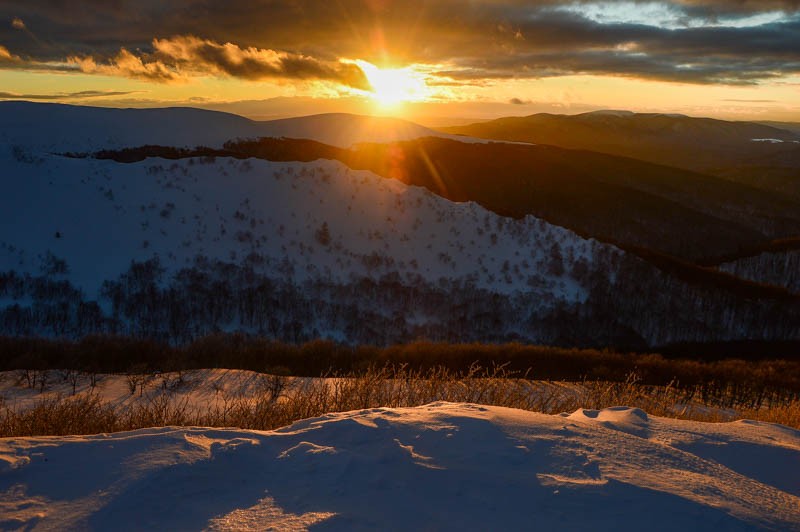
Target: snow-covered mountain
[(781, 268), (297, 250), (324, 219), (85, 220)]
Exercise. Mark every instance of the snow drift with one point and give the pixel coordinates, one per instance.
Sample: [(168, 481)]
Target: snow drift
[(440, 466)]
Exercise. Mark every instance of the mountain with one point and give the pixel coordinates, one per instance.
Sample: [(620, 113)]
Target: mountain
[(344, 130), (741, 151), (317, 247), (694, 217), (295, 240), (778, 267), (621, 200), (793, 127), (67, 128)]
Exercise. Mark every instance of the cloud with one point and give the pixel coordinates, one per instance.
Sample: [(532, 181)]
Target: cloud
[(475, 40), (737, 100), (178, 58), (7, 57), (733, 7), (205, 56), (18, 24), (63, 95), (518, 101), (711, 69), (128, 65)]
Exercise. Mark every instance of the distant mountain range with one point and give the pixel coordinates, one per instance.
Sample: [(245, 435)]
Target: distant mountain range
[(175, 223), (66, 128), (761, 155)]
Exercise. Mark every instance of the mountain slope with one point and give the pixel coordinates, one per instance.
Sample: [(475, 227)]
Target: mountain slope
[(603, 196), (619, 200), (99, 215), (742, 151), (178, 249), (196, 222), (67, 128), (780, 268), (625, 201), (793, 127), (344, 130)]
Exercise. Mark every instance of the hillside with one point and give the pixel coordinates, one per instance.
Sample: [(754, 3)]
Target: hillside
[(756, 154), (793, 127), (680, 213), (781, 268), (309, 240), (203, 222), (67, 128), (618, 200), (470, 466)]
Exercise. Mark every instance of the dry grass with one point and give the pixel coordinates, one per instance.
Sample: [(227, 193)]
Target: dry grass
[(281, 401)]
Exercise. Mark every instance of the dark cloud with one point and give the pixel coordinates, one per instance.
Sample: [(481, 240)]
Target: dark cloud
[(478, 39), (518, 101), (62, 95), (706, 8)]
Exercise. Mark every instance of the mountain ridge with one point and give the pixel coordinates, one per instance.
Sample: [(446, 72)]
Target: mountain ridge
[(117, 128), (180, 247), (746, 152)]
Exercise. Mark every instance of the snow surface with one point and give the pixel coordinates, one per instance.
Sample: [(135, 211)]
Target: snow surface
[(776, 141), (442, 466), (98, 215)]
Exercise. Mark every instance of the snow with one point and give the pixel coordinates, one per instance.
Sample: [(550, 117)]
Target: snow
[(442, 466), (98, 215), (776, 141)]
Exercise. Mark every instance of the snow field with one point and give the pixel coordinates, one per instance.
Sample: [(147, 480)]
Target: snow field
[(443, 466)]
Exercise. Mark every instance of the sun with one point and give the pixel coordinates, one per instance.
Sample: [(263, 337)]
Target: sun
[(391, 87)]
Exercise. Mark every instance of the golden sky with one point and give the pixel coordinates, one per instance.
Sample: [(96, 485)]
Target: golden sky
[(434, 61)]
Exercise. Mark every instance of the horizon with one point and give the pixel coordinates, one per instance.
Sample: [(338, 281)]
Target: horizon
[(434, 63), (429, 122)]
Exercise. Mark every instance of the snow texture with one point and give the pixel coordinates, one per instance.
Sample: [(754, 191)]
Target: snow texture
[(442, 466)]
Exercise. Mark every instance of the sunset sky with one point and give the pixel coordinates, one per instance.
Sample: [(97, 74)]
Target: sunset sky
[(434, 61)]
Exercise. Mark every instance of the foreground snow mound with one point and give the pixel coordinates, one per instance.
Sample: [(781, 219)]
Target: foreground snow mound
[(440, 466)]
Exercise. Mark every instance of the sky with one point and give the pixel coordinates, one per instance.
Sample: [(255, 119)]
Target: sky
[(434, 61)]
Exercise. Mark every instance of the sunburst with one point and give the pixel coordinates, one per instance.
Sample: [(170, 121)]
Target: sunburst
[(393, 86)]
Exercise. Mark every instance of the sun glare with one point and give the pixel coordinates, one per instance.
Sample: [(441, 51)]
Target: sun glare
[(391, 87)]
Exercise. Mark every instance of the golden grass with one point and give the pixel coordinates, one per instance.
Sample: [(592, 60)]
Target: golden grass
[(281, 401)]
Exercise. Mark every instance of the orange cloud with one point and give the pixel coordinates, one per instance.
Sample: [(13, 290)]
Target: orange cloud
[(7, 57), (128, 65), (181, 57)]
